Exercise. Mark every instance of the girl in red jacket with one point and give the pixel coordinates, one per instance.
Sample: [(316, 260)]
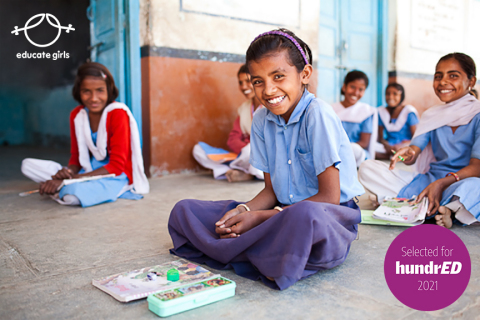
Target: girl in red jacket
[(238, 140), (104, 140)]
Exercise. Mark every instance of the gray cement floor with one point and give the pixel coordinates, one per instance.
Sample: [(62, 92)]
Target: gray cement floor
[(50, 253)]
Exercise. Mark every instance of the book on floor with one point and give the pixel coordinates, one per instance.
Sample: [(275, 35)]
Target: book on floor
[(367, 218), (402, 210), (217, 154), (139, 283)]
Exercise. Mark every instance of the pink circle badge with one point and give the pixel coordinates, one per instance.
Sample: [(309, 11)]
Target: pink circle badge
[(427, 267)]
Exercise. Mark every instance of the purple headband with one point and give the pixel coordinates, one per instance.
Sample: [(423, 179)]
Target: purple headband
[(289, 37)]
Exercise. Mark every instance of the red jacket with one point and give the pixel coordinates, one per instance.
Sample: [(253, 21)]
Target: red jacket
[(118, 142), (237, 139)]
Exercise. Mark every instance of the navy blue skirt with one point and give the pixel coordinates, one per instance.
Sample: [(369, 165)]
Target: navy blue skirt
[(295, 243)]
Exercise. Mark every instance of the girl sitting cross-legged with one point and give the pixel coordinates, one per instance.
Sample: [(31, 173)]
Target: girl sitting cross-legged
[(445, 148), (396, 122), (104, 140), (305, 218), (359, 119), (238, 140)]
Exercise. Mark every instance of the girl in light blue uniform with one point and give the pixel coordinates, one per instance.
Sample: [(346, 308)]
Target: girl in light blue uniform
[(358, 118), (445, 148), (305, 218), (396, 122)]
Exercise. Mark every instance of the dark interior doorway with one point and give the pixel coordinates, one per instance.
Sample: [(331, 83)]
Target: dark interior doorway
[(35, 92)]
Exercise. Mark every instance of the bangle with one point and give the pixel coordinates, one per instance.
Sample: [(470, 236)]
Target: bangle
[(278, 208), (453, 174), (244, 205)]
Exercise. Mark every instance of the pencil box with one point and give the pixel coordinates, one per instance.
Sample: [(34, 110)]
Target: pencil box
[(172, 301)]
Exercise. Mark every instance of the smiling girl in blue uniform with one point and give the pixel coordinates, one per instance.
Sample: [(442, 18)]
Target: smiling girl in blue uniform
[(396, 122), (305, 218), (359, 119), (445, 148)]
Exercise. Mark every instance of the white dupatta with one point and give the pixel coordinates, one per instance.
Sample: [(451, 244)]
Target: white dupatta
[(453, 114), (99, 151), (246, 116), (401, 119), (358, 113)]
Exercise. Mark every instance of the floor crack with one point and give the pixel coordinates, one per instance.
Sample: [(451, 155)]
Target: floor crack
[(18, 261)]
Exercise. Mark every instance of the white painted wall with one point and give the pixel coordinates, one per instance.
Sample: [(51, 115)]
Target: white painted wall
[(411, 47), (428, 29), (392, 33), (163, 24)]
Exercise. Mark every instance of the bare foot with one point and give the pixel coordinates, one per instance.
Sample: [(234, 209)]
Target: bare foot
[(444, 217), (374, 200), (237, 175)]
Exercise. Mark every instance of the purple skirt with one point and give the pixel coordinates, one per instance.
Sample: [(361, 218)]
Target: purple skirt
[(295, 243)]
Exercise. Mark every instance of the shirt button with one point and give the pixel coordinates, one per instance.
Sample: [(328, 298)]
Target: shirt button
[(291, 196), (289, 161), (285, 127)]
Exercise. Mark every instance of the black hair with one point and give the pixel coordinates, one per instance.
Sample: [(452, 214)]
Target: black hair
[(271, 44), (243, 69), (465, 61), (474, 92), (355, 75), (94, 69), (400, 88)]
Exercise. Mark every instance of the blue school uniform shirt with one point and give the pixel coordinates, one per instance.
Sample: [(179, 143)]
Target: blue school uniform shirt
[(452, 151), (354, 130), (394, 138), (294, 153)]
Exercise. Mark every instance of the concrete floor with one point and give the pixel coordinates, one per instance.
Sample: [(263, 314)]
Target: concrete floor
[(50, 253)]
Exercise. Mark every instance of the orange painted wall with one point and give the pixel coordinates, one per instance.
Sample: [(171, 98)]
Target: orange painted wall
[(185, 101)]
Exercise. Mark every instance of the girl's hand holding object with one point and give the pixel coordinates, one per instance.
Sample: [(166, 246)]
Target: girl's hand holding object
[(50, 186), (405, 154), (399, 156)]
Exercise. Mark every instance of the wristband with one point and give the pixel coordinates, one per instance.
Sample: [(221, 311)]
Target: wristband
[(278, 208), (453, 174), (244, 205)]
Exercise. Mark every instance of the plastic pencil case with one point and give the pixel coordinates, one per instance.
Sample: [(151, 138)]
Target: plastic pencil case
[(172, 301)]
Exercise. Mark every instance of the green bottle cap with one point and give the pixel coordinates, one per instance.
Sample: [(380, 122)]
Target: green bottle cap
[(173, 275)]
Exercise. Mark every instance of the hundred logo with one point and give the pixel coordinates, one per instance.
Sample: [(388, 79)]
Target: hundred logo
[(428, 268)]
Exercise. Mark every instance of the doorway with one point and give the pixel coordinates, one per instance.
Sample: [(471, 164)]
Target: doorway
[(115, 43), (352, 36)]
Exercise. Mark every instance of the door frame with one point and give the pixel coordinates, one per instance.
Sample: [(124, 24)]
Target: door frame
[(382, 55), (133, 74)]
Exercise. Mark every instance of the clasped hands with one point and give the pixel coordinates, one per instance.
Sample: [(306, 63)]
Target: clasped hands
[(51, 186), (238, 221)]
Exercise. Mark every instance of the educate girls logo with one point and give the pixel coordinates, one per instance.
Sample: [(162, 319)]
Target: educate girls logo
[(53, 21)]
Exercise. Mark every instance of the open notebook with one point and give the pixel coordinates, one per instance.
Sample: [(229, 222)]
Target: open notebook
[(397, 211)]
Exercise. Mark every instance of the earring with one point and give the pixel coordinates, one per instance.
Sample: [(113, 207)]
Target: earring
[(469, 88)]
